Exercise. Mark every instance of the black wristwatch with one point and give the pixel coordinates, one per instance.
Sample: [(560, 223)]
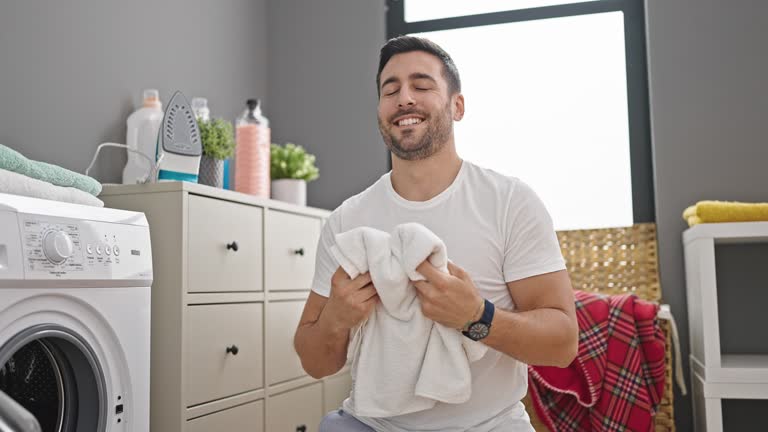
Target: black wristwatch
[(479, 329)]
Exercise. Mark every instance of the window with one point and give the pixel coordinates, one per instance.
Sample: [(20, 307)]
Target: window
[(555, 95), (423, 10)]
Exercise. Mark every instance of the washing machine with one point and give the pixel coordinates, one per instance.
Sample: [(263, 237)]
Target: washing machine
[(74, 317)]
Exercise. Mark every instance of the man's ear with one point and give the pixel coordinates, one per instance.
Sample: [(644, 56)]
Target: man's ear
[(458, 107)]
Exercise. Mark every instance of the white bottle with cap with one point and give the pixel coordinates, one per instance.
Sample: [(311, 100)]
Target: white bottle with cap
[(200, 108), (143, 125)]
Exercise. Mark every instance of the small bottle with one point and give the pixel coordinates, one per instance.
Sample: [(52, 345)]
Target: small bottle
[(142, 128), (200, 108), (252, 141)]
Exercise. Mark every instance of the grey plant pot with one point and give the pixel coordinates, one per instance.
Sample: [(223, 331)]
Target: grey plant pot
[(211, 172)]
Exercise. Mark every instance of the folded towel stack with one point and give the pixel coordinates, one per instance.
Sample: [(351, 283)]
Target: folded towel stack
[(21, 176), (17, 184), (725, 211)]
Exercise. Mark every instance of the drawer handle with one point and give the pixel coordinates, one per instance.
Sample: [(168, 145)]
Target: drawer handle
[(301, 428), (233, 349), (232, 246), (299, 251)]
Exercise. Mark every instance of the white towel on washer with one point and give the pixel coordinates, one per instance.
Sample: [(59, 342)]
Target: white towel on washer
[(19, 184), (402, 361)]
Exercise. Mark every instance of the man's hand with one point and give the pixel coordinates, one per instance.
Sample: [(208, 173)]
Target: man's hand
[(449, 299), (351, 300)]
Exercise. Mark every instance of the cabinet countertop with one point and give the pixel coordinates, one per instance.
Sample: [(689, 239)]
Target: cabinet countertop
[(224, 194)]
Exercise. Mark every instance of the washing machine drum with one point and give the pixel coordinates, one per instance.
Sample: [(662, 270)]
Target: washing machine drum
[(54, 375)]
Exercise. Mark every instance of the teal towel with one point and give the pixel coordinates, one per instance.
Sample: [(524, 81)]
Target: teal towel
[(12, 160)]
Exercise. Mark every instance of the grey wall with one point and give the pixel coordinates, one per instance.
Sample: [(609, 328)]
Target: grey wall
[(709, 106), (72, 71), (322, 68)]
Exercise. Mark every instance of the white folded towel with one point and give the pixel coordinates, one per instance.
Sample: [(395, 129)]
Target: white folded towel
[(402, 361), (18, 184)]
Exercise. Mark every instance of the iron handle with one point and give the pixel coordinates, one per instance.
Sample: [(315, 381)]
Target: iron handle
[(232, 246), (299, 251), (233, 349)]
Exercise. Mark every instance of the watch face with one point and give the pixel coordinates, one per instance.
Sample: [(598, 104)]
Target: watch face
[(478, 331)]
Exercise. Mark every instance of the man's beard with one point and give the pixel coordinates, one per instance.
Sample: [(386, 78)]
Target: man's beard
[(434, 138)]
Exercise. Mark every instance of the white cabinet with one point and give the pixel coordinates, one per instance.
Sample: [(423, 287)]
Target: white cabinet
[(231, 275), (716, 375), (284, 363), (335, 389), (296, 411), (243, 418), (225, 246), (224, 354), (290, 249)]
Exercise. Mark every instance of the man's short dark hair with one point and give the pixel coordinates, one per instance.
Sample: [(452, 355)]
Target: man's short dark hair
[(404, 44)]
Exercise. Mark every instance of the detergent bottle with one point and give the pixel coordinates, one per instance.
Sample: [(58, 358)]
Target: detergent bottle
[(141, 135)]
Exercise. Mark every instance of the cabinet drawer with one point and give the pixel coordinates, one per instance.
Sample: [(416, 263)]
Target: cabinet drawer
[(296, 410), (335, 390), (291, 250), (243, 418), (223, 350), (282, 361), (225, 246)]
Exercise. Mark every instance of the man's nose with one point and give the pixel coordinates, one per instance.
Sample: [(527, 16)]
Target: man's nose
[(405, 98)]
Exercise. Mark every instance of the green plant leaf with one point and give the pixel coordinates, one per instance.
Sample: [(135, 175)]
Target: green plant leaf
[(291, 161), (217, 137)]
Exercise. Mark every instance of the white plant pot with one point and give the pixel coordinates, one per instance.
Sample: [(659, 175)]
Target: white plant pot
[(290, 190)]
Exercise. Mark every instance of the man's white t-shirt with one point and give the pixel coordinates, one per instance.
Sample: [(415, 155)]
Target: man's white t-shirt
[(497, 229)]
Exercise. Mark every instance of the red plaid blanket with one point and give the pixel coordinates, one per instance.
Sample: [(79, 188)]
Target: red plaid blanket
[(617, 379)]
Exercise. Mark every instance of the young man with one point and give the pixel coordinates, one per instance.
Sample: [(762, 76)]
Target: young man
[(508, 278)]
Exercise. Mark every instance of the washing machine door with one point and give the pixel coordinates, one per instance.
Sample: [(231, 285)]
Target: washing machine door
[(54, 375)]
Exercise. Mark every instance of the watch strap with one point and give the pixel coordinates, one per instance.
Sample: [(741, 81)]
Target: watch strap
[(488, 312)]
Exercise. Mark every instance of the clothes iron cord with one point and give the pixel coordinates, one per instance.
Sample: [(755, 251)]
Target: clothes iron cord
[(151, 176)]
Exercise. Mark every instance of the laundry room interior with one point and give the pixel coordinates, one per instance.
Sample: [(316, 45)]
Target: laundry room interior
[(383, 215)]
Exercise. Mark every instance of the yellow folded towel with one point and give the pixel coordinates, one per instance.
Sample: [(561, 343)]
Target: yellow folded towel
[(725, 211), (689, 215)]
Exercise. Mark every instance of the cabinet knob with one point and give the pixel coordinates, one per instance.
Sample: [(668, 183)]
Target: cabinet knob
[(232, 246), (301, 428), (299, 251), (233, 349)]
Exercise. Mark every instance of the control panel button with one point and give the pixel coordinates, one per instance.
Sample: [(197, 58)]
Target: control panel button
[(116, 250), (98, 250), (107, 250), (89, 248)]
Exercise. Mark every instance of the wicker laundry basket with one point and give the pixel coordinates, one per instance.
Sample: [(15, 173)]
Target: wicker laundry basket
[(618, 261)]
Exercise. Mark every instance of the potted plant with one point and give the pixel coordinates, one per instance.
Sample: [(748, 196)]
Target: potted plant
[(291, 167), (218, 144)]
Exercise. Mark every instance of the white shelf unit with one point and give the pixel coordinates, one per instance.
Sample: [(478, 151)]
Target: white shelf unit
[(230, 271), (716, 376)]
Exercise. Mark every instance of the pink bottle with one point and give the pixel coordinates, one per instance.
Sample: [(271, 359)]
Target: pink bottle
[(253, 141)]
